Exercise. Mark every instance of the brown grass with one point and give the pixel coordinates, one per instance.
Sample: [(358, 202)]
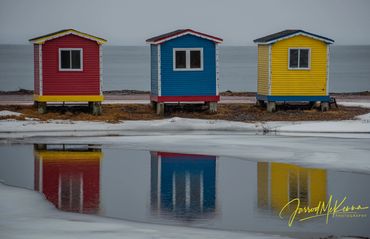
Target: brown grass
[(233, 112)]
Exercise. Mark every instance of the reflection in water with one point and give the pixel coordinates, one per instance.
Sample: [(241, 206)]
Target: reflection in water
[(68, 176), (280, 183), (183, 185), (184, 189)]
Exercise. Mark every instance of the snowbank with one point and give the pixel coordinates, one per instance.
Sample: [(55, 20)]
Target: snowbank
[(28, 128), (33, 127), (13, 128), (355, 104), (360, 125), (9, 113), (26, 214)]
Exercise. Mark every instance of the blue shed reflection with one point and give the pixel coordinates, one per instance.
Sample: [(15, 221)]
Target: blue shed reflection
[(183, 185)]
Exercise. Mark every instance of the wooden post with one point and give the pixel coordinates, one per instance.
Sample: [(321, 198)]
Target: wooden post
[(212, 107), (324, 106), (271, 106), (96, 108), (160, 108), (41, 107)]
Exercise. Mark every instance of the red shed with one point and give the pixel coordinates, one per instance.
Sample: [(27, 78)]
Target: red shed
[(68, 68)]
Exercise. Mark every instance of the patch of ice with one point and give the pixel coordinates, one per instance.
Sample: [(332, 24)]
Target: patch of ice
[(321, 152), (26, 214)]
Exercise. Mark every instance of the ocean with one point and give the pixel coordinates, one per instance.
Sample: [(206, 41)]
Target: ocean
[(128, 67)]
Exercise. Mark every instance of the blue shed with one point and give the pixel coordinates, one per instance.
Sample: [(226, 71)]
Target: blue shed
[(184, 68)]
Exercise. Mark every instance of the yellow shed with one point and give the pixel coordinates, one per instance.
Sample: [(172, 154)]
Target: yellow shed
[(293, 66)]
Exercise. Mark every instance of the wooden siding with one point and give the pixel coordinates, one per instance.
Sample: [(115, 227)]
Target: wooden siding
[(285, 82), (263, 70), (36, 70), (154, 69), (188, 83), (84, 82)]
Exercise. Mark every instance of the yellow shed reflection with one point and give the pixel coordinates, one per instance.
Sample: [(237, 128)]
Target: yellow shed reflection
[(280, 183)]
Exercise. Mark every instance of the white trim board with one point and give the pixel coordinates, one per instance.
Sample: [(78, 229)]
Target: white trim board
[(299, 52), (70, 49), (187, 56), (269, 72)]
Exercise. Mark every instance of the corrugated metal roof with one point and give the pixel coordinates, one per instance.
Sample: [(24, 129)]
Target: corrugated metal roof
[(287, 33), (170, 35)]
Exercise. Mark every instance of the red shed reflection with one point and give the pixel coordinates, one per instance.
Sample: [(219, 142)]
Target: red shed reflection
[(68, 176)]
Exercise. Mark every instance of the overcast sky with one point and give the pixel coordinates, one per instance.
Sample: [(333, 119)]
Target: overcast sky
[(238, 22)]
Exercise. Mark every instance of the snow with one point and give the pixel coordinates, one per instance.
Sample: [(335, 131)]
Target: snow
[(355, 104), (9, 113), (12, 128), (26, 214), (359, 127)]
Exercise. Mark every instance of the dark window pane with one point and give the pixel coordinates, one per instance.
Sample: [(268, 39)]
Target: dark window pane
[(180, 59), (65, 59), (293, 58), (195, 59), (303, 58), (293, 185), (303, 187), (76, 59)]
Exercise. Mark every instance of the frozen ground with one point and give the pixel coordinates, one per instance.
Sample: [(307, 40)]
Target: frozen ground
[(359, 127), (25, 214)]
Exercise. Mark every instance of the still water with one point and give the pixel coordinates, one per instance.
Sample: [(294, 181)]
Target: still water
[(128, 67), (184, 189)]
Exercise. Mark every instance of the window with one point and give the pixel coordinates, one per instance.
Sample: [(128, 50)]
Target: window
[(187, 59), (298, 186), (70, 59), (180, 59), (299, 58)]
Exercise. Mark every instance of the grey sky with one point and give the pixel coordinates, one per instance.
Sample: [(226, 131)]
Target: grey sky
[(238, 22)]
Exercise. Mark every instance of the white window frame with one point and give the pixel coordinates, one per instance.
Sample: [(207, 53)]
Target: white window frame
[(299, 53), (187, 54), (70, 49)]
